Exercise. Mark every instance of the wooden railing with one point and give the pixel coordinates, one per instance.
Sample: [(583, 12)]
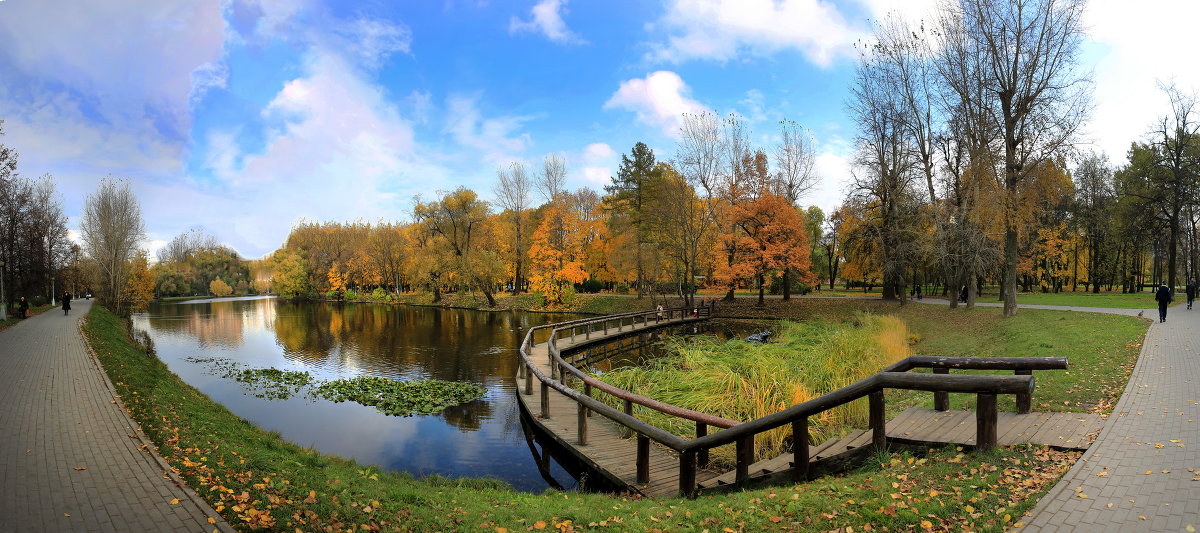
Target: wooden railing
[(694, 452), (1022, 366)]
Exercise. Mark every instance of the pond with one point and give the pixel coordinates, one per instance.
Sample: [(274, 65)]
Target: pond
[(483, 438)]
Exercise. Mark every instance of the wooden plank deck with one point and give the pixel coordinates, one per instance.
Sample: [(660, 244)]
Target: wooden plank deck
[(1061, 430), (607, 451), (612, 455)]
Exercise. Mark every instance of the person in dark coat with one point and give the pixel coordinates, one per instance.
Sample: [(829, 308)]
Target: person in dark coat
[(66, 299), (23, 308), (1163, 295), (1191, 292)]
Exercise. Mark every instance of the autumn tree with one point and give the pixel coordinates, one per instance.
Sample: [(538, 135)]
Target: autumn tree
[(289, 275), (512, 194), (219, 288), (459, 219), (681, 226), (886, 169), (556, 254), (1164, 173), (1037, 96), (139, 288), (111, 230)]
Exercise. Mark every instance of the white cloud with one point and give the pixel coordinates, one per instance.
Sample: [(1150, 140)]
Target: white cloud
[(1134, 46), (833, 166), (496, 137), (722, 30), (373, 41), (210, 75), (337, 149), (598, 161), (659, 99), (547, 17)]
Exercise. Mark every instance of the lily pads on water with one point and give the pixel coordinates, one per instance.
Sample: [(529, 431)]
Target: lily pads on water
[(396, 398), (399, 398)]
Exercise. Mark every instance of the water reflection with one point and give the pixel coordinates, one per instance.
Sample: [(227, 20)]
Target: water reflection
[(483, 438)]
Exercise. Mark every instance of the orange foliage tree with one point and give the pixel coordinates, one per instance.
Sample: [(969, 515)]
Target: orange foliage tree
[(557, 254)]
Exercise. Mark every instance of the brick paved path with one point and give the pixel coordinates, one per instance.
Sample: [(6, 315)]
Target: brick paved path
[(67, 462), (1154, 428)]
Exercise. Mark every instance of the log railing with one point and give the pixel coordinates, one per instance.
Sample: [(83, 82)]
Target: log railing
[(692, 452), (1022, 366)]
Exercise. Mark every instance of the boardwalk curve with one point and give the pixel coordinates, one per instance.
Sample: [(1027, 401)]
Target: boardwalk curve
[(680, 465), (71, 459)]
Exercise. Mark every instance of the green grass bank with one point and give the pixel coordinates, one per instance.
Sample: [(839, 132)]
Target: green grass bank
[(257, 481)]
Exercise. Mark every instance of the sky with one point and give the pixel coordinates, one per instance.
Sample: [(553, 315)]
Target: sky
[(244, 117)]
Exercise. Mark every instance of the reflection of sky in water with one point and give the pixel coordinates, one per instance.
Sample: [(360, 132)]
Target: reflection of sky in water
[(480, 439)]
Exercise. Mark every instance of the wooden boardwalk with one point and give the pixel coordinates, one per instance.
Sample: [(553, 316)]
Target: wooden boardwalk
[(607, 451), (1074, 431), (611, 454)]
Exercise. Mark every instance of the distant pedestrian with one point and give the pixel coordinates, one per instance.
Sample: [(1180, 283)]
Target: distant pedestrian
[(1191, 292), (66, 299), (660, 310), (1163, 295), (23, 308)]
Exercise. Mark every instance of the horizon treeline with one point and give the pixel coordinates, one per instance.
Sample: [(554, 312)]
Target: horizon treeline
[(652, 232)]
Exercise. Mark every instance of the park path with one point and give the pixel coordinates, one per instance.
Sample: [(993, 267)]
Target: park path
[(71, 459), (1143, 471)]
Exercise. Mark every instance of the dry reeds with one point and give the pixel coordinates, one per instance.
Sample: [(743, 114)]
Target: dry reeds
[(744, 381)]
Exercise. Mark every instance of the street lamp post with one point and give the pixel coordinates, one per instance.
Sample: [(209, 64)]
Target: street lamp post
[(3, 300)]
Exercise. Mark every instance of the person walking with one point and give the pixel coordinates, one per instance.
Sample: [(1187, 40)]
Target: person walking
[(23, 308), (1191, 292), (1163, 295), (66, 300)]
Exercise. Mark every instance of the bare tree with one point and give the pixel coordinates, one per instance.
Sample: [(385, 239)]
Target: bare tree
[(185, 245), (794, 162), (885, 157), (552, 181), (1038, 98), (112, 228), (512, 194)]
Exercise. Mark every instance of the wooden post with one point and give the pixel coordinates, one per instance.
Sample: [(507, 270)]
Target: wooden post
[(1024, 399), (625, 432), (701, 455), (606, 326), (800, 458), (588, 334), (985, 422), (687, 474), (878, 420), (587, 391), (528, 381), (581, 421), (643, 459), (941, 399), (745, 456), (545, 400)]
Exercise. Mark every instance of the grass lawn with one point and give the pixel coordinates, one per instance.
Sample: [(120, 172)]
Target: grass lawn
[(1100, 348), (258, 481), (7, 322), (1137, 300)]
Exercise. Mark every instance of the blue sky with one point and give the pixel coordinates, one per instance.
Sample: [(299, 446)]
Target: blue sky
[(246, 116)]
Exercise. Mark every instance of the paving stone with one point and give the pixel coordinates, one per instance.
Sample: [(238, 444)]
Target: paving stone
[(1165, 383), (52, 393)]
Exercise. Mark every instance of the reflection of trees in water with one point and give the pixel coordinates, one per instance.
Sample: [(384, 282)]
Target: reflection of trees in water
[(211, 323), (468, 416), (448, 344), (409, 342)]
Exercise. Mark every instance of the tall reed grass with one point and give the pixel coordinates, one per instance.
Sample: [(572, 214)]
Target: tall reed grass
[(744, 381)]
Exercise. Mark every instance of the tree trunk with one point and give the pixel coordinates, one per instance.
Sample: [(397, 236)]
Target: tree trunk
[(761, 279), (787, 284)]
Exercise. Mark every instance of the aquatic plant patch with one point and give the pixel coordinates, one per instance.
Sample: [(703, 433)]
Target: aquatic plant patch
[(391, 397), (399, 398)]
